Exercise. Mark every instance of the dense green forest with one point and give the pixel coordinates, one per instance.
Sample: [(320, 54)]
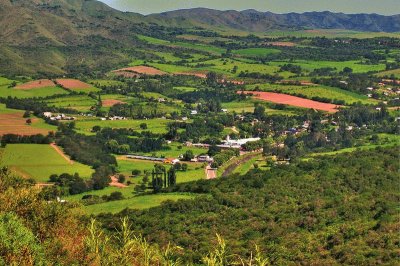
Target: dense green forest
[(322, 211), (330, 210)]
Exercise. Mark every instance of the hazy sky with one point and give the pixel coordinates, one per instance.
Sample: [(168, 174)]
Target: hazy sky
[(386, 7)]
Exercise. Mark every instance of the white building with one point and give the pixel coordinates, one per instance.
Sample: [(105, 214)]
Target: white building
[(238, 142)]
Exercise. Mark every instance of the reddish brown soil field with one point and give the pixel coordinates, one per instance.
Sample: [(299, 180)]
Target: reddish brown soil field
[(15, 124), (145, 70), (293, 100), (195, 74), (41, 83), (73, 84), (110, 102), (283, 44)]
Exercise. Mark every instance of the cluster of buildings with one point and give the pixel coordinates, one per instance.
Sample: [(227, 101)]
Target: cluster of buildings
[(57, 117), (226, 144), (113, 118), (154, 159)]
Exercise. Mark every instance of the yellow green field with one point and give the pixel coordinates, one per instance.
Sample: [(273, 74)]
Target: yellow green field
[(39, 161)]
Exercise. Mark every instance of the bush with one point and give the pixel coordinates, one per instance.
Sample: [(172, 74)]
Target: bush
[(121, 178), (136, 172), (115, 196)]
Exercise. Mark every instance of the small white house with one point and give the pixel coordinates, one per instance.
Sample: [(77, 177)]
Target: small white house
[(47, 114), (193, 112)]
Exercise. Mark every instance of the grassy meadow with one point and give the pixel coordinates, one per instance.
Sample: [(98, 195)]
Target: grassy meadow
[(39, 161), (157, 125), (134, 202)]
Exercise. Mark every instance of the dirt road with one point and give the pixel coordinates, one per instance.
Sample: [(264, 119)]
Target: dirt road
[(115, 183), (59, 151), (210, 172)]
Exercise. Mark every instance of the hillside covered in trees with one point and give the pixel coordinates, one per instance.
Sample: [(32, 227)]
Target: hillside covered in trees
[(324, 211)]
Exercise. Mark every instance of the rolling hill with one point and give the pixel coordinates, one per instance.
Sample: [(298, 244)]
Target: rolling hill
[(53, 37)]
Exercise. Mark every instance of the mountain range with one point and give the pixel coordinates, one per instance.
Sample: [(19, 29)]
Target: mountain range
[(252, 20), (59, 29)]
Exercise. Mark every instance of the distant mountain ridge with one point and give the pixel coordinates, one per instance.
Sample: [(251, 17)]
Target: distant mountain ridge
[(252, 20), (74, 36), (66, 22)]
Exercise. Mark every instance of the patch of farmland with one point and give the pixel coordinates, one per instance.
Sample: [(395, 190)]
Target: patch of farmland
[(39, 161), (282, 44), (41, 83), (226, 66), (111, 102), (80, 103), (248, 106), (28, 91), (355, 65), (12, 122), (139, 202), (144, 70), (185, 89), (293, 100), (316, 91), (255, 52), (157, 125), (194, 172), (395, 72), (76, 85)]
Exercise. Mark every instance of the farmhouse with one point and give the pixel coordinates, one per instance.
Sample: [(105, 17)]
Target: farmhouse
[(58, 117), (47, 114), (153, 159), (236, 143), (204, 158)]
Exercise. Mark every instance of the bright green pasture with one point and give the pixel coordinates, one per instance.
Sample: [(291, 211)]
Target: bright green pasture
[(78, 102), (247, 166), (355, 65), (157, 125), (171, 68), (5, 110), (86, 90), (255, 52), (126, 192), (195, 170), (317, 91), (38, 92), (5, 81), (395, 72), (225, 66), (117, 97), (39, 161), (248, 106), (185, 89), (136, 202), (174, 152)]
